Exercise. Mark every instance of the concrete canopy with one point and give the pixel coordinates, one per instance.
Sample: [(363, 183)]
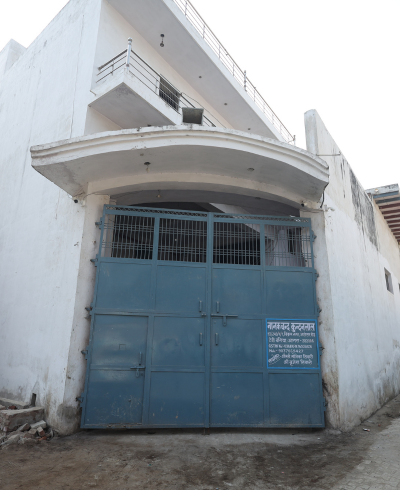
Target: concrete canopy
[(187, 157)]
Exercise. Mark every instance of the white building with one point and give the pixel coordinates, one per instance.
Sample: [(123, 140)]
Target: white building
[(198, 317)]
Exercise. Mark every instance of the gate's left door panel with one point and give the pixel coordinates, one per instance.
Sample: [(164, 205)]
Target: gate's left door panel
[(117, 357), (124, 285)]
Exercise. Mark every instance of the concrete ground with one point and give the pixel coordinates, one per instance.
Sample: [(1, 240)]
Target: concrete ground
[(223, 460)]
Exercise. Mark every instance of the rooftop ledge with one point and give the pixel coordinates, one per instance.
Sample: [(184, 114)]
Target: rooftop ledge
[(186, 157)]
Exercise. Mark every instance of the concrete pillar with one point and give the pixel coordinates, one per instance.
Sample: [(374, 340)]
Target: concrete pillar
[(68, 413)]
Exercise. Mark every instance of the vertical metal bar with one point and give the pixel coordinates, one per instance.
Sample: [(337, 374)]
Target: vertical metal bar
[(207, 320), (236, 235), (132, 232), (124, 235), (156, 233), (147, 373), (245, 80), (216, 339)]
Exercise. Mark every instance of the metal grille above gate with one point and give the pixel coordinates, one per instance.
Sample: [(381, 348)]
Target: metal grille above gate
[(203, 320)]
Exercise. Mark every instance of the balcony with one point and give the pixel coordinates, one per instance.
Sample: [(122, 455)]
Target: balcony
[(193, 51), (132, 94)]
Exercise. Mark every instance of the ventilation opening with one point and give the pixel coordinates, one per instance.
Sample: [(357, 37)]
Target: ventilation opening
[(182, 240), (287, 246), (191, 115), (128, 237), (236, 243), (169, 93), (388, 279), (33, 400)]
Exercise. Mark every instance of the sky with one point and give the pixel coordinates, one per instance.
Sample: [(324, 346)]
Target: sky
[(340, 57)]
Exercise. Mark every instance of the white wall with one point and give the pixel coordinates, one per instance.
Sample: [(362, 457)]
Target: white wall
[(9, 55), (43, 98), (114, 32), (360, 318)]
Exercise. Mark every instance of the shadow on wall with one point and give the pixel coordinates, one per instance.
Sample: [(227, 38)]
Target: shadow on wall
[(363, 210)]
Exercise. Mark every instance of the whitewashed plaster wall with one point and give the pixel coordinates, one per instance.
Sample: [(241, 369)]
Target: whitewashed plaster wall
[(9, 55), (360, 319), (114, 32), (43, 98)]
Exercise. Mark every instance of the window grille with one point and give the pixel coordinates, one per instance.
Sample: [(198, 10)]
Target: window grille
[(236, 243), (182, 240), (128, 237), (169, 93), (388, 279), (287, 246)]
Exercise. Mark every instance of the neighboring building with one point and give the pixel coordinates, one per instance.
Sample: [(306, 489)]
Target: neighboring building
[(204, 301)]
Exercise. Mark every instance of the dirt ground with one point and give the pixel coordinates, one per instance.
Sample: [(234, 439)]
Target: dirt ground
[(225, 459)]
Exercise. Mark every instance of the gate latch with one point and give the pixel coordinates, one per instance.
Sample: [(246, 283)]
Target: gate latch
[(224, 317), (137, 369)]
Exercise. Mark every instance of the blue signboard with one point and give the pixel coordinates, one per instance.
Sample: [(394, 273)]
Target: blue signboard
[(292, 344)]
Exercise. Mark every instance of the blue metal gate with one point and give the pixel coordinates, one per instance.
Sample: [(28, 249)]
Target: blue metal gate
[(203, 320)]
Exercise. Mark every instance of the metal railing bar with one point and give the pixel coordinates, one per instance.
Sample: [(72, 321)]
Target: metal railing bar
[(204, 30), (115, 69), (153, 80), (112, 59), (109, 66)]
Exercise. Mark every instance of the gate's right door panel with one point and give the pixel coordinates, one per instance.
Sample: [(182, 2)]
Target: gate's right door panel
[(236, 372)]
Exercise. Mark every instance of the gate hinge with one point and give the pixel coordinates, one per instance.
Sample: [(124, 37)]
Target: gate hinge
[(85, 352), (313, 236), (95, 260), (316, 275), (321, 348), (99, 223), (80, 399), (324, 403), (88, 308), (319, 309)]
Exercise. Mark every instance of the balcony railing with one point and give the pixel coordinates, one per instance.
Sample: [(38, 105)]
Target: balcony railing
[(155, 82), (241, 76)]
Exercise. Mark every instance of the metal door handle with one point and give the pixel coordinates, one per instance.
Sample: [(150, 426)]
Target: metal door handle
[(140, 358), (201, 339), (217, 306), (203, 313), (216, 339)]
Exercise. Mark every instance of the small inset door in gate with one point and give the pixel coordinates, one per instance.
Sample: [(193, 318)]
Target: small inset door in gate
[(117, 355)]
